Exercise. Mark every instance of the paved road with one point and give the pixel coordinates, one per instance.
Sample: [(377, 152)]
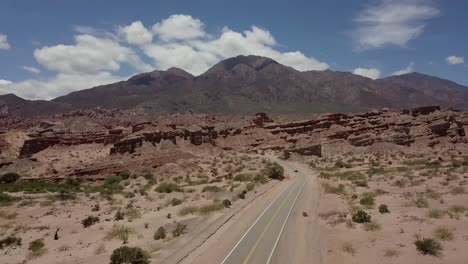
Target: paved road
[(259, 242)]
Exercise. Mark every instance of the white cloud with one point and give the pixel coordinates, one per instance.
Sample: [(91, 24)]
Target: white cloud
[(4, 42), (136, 34), (61, 84), (200, 51), (89, 55), (372, 73), (178, 41), (31, 69), (179, 27), (392, 22), (455, 60), (408, 69), (4, 82)]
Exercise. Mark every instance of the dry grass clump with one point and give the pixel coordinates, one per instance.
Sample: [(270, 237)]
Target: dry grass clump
[(119, 232), (340, 189), (203, 210), (372, 226), (435, 213), (444, 233), (349, 248)]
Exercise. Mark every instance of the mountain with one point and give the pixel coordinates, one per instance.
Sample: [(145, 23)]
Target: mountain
[(249, 84), (11, 104)]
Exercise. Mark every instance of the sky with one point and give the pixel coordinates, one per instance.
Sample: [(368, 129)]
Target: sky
[(50, 48)]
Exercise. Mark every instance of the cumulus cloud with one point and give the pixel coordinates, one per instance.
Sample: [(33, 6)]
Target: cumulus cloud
[(179, 27), (455, 60), (136, 34), (408, 69), (4, 82), (90, 55), (181, 41), (4, 42), (392, 22), (372, 73), (31, 69), (58, 85)]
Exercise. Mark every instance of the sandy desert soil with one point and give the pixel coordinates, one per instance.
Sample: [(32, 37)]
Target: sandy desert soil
[(195, 202), (425, 195)]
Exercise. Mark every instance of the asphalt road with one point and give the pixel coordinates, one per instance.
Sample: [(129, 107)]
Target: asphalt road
[(259, 242)]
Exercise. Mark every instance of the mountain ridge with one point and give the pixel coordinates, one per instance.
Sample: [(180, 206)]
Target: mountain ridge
[(248, 84)]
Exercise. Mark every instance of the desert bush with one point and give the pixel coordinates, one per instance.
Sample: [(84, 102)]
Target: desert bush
[(275, 171), (391, 253), (168, 187), (36, 248), (428, 246), (260, 179), (457, 190), (9, 177), (372, 226), (119, 215), (227, 203), (10, 242), (367, 201), (119, 232), (242, 177), (150, 178), (89, 221), (383, 209), (444, 233), (38, 186), (129, 255), (361, 217), (340, 189), (124, 175), (6, 199), (175, 202), (160, 233), (421, 202), (435, 213), (209, 208), (188, 210), (250, 186), (179, 229), (212, 188)]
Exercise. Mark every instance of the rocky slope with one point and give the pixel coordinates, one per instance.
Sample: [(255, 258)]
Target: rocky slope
[(55, 147), (245, 85)]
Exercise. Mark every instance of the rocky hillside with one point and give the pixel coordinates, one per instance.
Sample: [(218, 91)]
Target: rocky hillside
[(249, 84)]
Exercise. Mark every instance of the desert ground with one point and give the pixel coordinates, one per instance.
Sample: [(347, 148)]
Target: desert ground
[(94, 186)]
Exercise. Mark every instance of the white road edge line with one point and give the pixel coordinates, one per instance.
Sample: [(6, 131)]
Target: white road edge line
[(245, 234), (284, 224)]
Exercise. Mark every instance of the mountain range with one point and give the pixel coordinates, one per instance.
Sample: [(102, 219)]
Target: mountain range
[(249, 84)]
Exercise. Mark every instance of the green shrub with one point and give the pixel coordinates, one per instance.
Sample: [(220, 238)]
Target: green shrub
[(168, 187), (6, 199), (242, 194), (275, 171), (37, 248), (124, 175), (150, 178), (129, 255), (383, 209), (421, 202), (175, 202), (38, 186), (89, 221), (10, 242), (10, 177), (242, 177), (160, 233), (428, 246), (444, 233), (361, 217), (179, 229), (212, 188), (260, 179), (227, 203), (367, 201)]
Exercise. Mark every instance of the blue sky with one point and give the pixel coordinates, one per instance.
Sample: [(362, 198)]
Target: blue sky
[(50, 48)]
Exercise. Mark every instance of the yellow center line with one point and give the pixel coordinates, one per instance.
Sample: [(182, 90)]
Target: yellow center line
[(264, 230)]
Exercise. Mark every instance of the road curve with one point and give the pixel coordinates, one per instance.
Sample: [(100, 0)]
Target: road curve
[(259, 242)]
